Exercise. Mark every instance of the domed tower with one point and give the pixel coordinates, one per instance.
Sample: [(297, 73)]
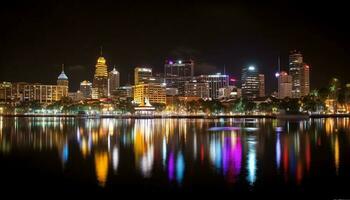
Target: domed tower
[(62, 78), (100, 82)]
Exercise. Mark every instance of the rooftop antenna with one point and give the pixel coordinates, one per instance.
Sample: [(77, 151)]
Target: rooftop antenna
[(224, 69), (101, 50), (62, 67), (279, 64)]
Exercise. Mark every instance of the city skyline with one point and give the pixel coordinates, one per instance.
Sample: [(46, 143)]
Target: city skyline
[(43, 43), (174, 98)]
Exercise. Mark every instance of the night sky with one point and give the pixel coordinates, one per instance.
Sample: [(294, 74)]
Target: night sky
[(37, 37)]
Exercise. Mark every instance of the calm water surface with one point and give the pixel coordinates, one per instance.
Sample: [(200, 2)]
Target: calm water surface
[(263, 156)]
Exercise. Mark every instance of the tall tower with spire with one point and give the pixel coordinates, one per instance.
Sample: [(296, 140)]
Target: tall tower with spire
[(62, 79), (100, 82), (114, 80)]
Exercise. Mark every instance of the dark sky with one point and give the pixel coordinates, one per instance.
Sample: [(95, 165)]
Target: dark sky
[(37, 37)]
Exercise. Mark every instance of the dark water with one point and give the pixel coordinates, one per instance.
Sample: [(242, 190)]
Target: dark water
[(176, 156)]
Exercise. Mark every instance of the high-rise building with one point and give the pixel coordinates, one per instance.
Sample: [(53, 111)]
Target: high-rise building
[(261, 85), (85, 88), (76, 96), (125, 92), (300, 75), (62, 78), (155, 93), (179, 68), (305, 80), (197, 89), (5, 92), (113, 80), (215, 81), (250, 82), (284, 85), (177, 73), (100, 82), (38, 92), (142, 75)]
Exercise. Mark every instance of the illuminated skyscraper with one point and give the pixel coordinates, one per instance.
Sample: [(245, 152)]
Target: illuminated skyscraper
[(261, 85), (179, 68), (305, 80), (142, 75), (62, 79), (5, 92), (215, 81), (100, 82), (155, 93), (250, 82), (85, 88), (113, 80), (284, 85), (300, 75), (177, 73), (197, 89)]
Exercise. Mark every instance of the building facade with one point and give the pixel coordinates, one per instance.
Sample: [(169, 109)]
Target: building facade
[(100, 82), (6, 92), (285, 84), (37, 92), (250, 82), (126, 91), (85, 89), (179, 68), (177, 73), (113, 81), (229, 92), (305, 80), (215, 81), (300, 75), (142, 75), (155, 93), (262, 85), (197, 89)]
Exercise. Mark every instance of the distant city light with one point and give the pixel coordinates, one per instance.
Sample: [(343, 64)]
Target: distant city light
[(180, 61), (251, 68), (171, 62), (277, 74)]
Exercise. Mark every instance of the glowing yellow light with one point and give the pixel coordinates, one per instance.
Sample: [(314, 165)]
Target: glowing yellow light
[(336, 154), (101, 166)]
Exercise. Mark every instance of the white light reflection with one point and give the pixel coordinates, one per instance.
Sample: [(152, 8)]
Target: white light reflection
[(251, 162), (278, 151), (147, 162), (115, 158), (164, 152)]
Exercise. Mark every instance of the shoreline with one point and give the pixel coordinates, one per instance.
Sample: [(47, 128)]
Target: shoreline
[(178, 116)]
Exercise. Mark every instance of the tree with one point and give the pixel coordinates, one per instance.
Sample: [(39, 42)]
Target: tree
[(290, 105), (125, 106), (193, 106), (242, 105), (159, 106)]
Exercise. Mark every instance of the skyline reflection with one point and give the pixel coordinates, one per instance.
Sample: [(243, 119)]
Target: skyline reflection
[(175, 148)]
